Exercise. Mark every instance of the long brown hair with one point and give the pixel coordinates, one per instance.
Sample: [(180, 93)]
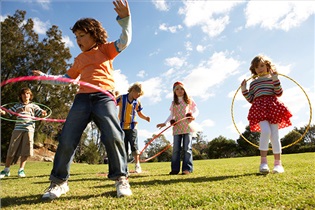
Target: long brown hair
[(261, 59)]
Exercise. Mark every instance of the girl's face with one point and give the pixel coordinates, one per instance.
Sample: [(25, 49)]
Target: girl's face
[(261, 68), (179, 91), (84, 40), (26, 97)]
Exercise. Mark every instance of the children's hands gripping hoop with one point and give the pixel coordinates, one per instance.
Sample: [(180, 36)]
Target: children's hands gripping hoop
[(46, 108), (309, 121), (61, 79), (156, 136)]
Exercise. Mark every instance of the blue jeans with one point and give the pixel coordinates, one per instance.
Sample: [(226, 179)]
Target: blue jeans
[(102, 110), (188, 156)]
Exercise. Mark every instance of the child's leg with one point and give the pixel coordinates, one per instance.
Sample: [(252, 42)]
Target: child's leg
[(188, 156), (276, 148), (275, 141), (175, 163), (23, 162), (105, 116), (264, 140)]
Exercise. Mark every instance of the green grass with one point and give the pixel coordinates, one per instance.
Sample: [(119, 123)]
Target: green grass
[(215, 184)]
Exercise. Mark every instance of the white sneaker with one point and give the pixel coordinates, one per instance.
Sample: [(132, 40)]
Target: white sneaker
[(4, 174), (263, 168), (123, 187), (278, 169), (138, 168), (55, 190)]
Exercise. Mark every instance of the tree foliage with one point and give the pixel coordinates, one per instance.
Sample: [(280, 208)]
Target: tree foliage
[(21, 52)]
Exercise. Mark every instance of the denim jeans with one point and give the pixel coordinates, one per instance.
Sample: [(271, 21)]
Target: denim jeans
[(102, 110), (187, 149)]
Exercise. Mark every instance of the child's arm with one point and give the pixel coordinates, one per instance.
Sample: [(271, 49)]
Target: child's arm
[(51, 82), (142, 116), (245, 92), (276, 83), (124, 21)]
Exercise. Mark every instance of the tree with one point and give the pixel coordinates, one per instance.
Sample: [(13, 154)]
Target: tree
[(200, 146), (21, 52), (245, 148), (157, 145), (221, 147)]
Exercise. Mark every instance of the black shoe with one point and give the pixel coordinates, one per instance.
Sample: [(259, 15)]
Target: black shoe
[(173, 173)]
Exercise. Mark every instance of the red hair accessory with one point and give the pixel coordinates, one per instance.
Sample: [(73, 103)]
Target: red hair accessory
[(176, 84)]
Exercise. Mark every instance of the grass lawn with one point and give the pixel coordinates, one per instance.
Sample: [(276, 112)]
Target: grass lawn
[(215, 184)]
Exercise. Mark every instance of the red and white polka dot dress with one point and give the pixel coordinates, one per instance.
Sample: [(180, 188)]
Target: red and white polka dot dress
[(268, 108)]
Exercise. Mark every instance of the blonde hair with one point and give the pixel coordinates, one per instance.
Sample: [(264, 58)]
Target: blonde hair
[(136, 87), (261, 59)]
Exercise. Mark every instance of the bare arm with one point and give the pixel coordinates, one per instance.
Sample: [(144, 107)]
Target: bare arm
[(142, 116)]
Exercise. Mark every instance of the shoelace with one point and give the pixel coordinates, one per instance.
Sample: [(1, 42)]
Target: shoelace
[(52, 186)]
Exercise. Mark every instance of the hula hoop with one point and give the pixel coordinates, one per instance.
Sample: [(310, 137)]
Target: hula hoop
[(155, 137), (24, 116), (61, 79), (299, 139)]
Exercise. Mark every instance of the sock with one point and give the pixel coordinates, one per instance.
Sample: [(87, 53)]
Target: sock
[(21, 169), (6, 169), (263, 160), (277, 162)]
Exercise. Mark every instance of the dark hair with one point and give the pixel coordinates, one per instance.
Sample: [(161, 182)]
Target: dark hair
[(93, 27), (25, 90)]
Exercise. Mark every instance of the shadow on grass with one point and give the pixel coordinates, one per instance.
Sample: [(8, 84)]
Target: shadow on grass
[(36, 199)]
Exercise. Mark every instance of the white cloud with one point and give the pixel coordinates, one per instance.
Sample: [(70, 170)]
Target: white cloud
[(211, 73), (141, 74), (2, 18), (175, 62), (282, 15), (121, 82), (67, 41), (172, 29), (200, 48), (45, 4), (207, 123), (211, 16), (160, 5), (39, 26), (152, 89)]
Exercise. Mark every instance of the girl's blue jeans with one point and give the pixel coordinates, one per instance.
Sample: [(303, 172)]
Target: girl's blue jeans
[(102, 110), (187, 155)]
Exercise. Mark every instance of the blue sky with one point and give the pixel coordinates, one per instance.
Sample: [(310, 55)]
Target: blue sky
[(208, 45)]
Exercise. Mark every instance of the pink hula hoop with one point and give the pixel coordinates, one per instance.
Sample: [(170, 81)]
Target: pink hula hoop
[(55, 78), (159, 134)]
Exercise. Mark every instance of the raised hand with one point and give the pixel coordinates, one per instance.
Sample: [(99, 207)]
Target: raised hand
[(121, 8)]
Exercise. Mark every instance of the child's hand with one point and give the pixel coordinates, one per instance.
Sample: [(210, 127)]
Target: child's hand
[(243, 85), (121, 8), (36, 72), (274, 75), (2, 112), (147, 119), (161, 125), (44, 113)]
